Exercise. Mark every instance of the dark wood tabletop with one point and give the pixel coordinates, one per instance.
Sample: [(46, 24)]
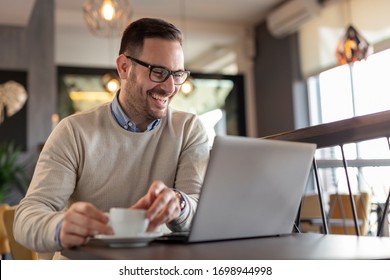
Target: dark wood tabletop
[(295, 246)]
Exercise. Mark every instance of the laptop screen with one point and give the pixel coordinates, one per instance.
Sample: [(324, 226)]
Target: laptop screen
[(252, 188)]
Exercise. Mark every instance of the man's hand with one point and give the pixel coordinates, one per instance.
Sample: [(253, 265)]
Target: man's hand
[(161, 204), (81, 221)]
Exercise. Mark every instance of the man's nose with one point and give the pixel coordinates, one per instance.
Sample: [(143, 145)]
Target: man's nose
[(169, 84)]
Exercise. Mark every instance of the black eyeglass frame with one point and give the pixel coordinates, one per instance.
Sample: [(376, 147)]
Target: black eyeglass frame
[(152, 67)]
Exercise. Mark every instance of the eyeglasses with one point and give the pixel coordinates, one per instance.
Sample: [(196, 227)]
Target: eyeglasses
[(159, 74)]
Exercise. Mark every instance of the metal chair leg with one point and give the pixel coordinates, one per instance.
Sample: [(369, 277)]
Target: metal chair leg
[(324, 222), (384, 214), (355, 219)]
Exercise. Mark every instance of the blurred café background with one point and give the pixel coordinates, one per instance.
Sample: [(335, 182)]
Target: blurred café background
[(258, 67)]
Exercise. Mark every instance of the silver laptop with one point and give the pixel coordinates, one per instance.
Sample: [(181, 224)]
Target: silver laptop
[(252, 188)]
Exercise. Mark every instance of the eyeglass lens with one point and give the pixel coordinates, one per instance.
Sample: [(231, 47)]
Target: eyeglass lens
[(158, 74)]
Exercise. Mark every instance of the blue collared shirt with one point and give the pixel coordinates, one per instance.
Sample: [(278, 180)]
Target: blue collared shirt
[(124, 121)]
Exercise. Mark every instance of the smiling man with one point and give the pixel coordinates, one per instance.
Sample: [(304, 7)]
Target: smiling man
[(134, 152)]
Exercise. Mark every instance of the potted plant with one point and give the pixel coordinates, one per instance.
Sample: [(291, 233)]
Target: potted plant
[(12, 172)]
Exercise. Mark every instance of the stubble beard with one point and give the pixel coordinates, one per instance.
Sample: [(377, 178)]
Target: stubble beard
[(138, 101)]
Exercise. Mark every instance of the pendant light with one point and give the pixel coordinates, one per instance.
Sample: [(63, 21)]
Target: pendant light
[(352, 46), (107, 18)]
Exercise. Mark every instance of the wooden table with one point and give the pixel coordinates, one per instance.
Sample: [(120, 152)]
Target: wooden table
[(296, 246)]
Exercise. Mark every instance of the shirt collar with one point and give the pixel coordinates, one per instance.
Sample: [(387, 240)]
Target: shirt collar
[(124, 121)]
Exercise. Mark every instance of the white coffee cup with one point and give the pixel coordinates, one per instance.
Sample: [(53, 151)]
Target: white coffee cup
[(128, 222)]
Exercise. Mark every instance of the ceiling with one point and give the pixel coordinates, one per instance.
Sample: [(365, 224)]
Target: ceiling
[(16, 12), (207, 24)]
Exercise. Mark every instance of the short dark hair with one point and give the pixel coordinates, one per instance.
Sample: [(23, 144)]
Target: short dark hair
[(134, 35)]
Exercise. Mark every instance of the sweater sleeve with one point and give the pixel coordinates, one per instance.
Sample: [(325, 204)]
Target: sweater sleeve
[(191, 171), (39, 212)]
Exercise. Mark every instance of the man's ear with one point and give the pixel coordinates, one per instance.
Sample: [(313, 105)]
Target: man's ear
[(122, 66)]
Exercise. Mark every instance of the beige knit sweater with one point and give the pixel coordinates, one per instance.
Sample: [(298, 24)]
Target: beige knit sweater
[(89, 157)]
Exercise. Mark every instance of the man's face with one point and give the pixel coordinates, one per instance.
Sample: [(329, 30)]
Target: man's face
[(145, 99)]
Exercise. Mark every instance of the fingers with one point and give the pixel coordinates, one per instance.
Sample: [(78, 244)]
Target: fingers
[(165, 206), (81, 221), (161, 204), (142, 203), (167, 214), (147, 200)]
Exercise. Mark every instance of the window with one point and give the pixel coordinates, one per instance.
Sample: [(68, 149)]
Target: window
[(344, 92), (348, 91)]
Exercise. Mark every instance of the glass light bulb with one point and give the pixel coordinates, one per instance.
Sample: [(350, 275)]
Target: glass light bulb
[(112, 85), (186, 88), (108, 10)]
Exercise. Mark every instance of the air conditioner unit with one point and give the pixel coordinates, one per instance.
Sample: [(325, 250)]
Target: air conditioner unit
[(288, 17)]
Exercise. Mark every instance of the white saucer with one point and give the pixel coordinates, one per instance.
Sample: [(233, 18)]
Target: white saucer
[(124, 241)]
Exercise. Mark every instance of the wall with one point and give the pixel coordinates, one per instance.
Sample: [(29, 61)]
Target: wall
[(31, 48), (279, 91), (318, 37)]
